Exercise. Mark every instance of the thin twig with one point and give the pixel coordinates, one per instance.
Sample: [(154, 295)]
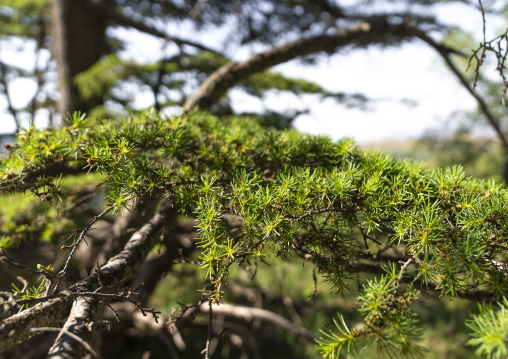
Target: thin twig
[(501, 55), (402, 270), (210, 330), (491, 118), (5, 259), (76, 243), (25, 283)]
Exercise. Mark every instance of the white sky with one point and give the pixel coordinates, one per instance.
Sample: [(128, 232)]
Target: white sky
[(412, 72)]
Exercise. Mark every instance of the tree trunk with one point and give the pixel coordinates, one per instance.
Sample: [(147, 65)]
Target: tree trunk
[(79, 41), (505, 164)]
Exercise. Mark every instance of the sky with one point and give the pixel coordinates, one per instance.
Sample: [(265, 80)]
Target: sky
[(410, 89), (387, 77)]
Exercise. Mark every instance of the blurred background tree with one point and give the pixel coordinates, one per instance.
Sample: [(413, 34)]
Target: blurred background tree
[(93, 78)]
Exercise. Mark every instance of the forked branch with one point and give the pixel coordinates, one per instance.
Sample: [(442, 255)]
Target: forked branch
[(120, 268)]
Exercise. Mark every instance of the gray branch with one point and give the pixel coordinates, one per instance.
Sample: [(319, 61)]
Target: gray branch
[(120, 268), (249, 314), (229, 75)]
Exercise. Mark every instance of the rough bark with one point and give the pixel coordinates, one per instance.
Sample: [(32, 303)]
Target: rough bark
[(79, 41), (84, 311), (16, 328), (120, 268), (229, 75)]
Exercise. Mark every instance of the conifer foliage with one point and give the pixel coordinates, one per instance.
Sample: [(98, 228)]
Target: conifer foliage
[(252, 191)]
